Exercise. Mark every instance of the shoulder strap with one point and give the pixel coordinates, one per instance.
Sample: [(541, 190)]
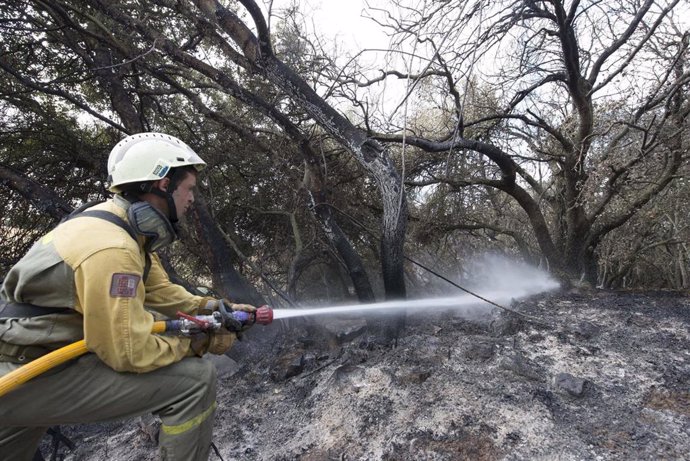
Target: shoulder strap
[(83, 207), (110, 217), (114, 219), (8, 309)]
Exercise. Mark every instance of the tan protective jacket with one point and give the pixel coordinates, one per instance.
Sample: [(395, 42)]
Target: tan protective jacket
[(95, 268)]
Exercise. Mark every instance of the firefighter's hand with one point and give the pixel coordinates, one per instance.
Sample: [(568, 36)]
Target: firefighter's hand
[(216, 342), (220, 341), (226, 309), (239, 307), (209, 305)]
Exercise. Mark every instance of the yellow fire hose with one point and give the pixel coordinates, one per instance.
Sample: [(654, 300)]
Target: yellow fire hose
[(32, 369)]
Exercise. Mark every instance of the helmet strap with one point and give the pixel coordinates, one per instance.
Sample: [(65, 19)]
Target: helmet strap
[(172, 209)]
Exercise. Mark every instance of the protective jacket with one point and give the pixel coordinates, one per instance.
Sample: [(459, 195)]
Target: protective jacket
[(95, 270)]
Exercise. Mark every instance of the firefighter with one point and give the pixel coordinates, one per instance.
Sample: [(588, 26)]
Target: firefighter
[(95, 277)]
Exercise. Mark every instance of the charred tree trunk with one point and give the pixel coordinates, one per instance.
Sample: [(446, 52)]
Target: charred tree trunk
[(316, 188), (351, 259), (220, 257), (122, 104), (41, 197)]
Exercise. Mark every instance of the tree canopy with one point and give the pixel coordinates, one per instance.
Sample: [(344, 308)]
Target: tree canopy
[(554, 131)]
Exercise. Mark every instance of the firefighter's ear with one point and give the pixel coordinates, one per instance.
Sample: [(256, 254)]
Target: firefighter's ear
[(162, 184)]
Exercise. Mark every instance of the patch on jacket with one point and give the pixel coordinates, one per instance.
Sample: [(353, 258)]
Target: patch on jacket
[(124, 285)]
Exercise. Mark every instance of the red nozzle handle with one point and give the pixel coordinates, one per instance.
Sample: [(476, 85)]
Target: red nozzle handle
[(264, 315)]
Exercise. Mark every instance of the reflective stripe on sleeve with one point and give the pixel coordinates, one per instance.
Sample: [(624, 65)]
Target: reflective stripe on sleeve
[(191, 424)]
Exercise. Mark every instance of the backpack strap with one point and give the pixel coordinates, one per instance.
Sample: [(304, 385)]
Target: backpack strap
[(81, 208), (8, 309), (111, 218)]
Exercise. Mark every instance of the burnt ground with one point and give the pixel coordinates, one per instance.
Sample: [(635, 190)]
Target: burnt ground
[(607, 379)]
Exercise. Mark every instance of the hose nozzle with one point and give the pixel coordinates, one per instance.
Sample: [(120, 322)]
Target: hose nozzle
[(263, 315), (235, 320)]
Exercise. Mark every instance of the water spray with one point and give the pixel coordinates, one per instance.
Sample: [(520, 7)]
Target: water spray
[(379, 308), (467, 301), (497, 298)]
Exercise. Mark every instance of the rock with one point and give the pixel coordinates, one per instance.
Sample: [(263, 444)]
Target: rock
[(571, 384), (348, 375)]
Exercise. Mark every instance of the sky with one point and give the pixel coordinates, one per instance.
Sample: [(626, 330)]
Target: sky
[(344, 24), (341, 20), (347, 25)]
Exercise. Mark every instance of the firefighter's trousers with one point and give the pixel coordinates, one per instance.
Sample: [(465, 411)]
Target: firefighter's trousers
[(86, 391)]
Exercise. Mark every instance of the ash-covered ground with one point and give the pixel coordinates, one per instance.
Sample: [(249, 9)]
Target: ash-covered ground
[(605, 377)]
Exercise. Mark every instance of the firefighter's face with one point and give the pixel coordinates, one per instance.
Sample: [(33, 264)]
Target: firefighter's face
[(183, 195)]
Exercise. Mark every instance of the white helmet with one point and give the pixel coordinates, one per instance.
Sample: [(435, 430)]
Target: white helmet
[(148, 157)]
